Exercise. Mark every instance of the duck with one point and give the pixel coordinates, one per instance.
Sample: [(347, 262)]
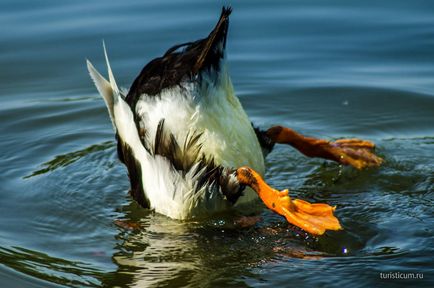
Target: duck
[(189, 146)]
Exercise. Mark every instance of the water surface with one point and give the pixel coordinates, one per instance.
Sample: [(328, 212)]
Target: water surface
[(325, 68)]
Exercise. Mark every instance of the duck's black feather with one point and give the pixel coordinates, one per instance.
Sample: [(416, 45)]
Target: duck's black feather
[(267, 144), (126, 155), (176, 66)]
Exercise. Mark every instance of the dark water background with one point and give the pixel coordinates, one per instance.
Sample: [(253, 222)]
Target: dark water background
[(325, 68)]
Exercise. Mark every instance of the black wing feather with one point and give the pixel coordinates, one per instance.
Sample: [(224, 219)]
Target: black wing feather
[(173, 67)]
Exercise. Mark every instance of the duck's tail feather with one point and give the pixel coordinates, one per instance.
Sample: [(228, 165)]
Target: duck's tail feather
[(104, 88), (108, 89), (111, 77), (212, 48)]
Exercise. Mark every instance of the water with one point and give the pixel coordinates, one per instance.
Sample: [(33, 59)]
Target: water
[(325, 68)]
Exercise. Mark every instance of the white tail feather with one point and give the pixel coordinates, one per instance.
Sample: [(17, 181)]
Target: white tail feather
[(111, 77), (108, 89), (104, 88)]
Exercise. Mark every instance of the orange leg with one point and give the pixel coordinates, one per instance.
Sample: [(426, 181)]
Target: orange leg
[(313, 218), (355, 152)]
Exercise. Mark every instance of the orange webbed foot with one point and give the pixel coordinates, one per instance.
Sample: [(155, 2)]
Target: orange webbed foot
[(313, 218), (355, 152)]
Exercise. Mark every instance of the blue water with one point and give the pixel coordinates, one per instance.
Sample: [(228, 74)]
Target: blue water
[(328, 69)]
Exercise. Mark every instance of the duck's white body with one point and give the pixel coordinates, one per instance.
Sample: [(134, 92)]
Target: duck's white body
[(214, 111)]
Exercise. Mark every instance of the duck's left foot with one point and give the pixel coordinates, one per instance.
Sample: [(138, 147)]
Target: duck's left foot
[(313, 218), (355, 152)]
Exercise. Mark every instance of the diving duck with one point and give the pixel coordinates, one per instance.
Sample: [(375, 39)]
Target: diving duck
[(190, 148)]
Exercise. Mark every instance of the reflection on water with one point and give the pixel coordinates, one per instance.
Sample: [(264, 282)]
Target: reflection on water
[(330, 69), (164, 252), (69, 158), (43, 266)]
